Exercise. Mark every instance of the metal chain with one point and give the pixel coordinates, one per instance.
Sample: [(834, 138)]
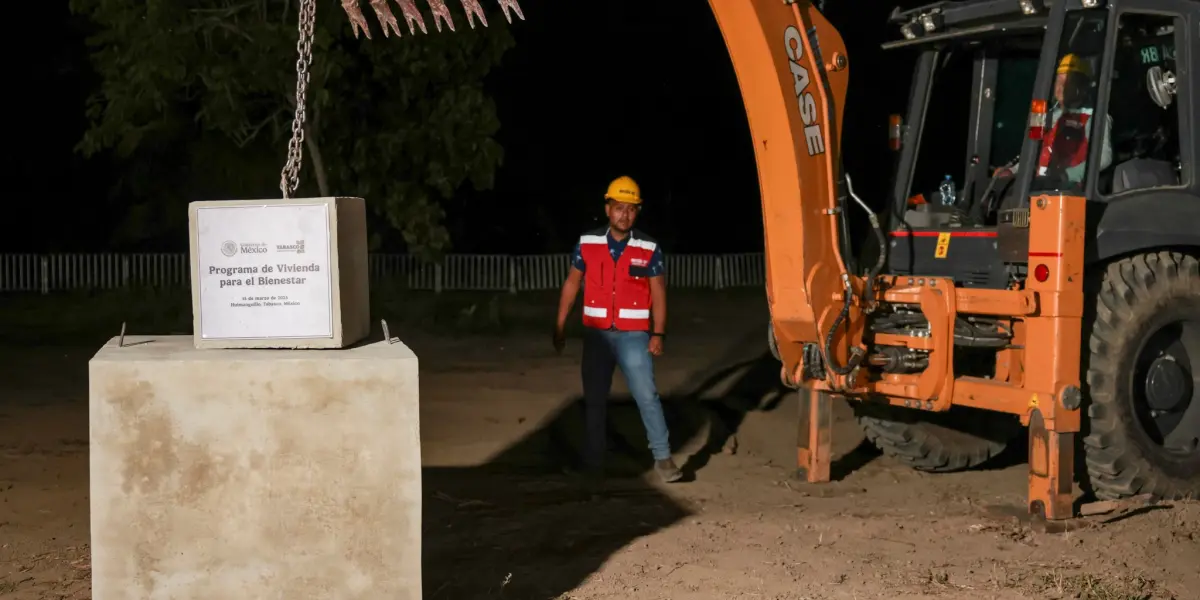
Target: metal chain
[(289, 179)]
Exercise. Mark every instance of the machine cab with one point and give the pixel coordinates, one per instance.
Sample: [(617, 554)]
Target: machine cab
[(1082, 100)]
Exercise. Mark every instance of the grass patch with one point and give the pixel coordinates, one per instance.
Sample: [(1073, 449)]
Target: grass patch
[(1086, 586), (85, 316), (91, 317), (58, 318)]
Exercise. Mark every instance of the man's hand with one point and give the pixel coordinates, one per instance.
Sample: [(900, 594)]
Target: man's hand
[(566, 299), (658, 313), (656, 345), (560, 339)]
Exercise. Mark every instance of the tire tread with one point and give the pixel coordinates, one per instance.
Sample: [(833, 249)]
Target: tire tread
[(920, 447), (1116, 468)]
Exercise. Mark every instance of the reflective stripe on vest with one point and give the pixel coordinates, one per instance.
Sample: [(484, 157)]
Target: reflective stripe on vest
[(616, 295)]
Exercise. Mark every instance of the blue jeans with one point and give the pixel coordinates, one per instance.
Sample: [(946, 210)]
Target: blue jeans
[(602, 352)]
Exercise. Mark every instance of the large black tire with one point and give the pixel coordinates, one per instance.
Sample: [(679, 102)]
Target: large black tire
[(1126, 446), (962, 438)]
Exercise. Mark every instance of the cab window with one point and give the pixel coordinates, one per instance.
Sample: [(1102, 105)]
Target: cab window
[(948, 125), (1070, 125), (1014, 87), (1144, 107)]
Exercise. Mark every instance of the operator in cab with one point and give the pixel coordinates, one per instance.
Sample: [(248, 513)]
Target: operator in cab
[(1065, 144), (624, 318)]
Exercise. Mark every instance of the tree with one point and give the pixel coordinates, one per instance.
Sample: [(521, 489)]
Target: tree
[(196, 101)]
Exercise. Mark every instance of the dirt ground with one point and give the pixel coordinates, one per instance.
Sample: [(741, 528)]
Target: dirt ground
[(501, 417)]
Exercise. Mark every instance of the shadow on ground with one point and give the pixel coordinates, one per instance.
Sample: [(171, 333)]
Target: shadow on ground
[(523, 527), (519, 527)]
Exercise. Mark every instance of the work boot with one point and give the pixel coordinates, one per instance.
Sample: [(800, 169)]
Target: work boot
[(668, 471)]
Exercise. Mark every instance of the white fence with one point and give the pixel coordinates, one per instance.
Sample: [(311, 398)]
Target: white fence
[(47, 273)]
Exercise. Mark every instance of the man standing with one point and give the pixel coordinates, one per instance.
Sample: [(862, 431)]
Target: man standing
[(625, 314)]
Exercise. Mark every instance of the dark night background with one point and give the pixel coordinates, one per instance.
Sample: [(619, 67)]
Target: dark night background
[(591, 90)]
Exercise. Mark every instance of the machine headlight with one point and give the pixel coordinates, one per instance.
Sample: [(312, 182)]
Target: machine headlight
[(932, 21)]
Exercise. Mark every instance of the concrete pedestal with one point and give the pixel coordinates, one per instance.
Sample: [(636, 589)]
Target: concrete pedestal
[(264, 474)]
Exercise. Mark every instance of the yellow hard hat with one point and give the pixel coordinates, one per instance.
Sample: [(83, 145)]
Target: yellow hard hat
[(624, 189), (1071, 63)]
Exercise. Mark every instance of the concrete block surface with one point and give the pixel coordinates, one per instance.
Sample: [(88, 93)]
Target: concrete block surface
[(254, 474)]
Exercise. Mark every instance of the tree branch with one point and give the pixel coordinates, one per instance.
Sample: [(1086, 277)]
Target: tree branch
[(247, 133), (315, 152)]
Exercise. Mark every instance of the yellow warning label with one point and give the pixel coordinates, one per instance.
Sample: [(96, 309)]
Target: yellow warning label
[(943, 245), (1033, 401)]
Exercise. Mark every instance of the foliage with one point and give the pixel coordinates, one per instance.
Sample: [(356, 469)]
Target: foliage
[(196, 99)]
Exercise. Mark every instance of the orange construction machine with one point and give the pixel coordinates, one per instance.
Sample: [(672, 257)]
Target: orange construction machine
[(1059, 290), (1056, 288)]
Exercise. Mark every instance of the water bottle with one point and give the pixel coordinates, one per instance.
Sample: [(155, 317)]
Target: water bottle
[(947, 191)]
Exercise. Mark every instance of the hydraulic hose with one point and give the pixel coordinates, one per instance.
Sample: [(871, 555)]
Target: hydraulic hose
[(881, 260), (856, 353)]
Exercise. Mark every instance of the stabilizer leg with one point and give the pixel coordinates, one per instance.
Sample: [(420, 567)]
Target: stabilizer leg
[(1051, 470), (814, 447)]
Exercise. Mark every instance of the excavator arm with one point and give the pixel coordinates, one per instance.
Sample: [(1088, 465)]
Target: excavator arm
[(793, 71)]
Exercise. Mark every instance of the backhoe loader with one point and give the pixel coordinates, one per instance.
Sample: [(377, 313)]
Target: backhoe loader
[(1056, 290)]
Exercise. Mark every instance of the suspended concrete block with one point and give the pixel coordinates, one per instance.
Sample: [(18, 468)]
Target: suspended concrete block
[(279, 273)]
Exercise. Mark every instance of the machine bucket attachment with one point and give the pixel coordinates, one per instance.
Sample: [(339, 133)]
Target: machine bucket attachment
[(814, 438), (440, 14), (388, 20), (414, 19), (507, 5), (358, 22), (473, 10), (412, 15)]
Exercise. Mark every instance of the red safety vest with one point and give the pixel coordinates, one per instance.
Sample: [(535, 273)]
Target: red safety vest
[(1072, 149), (616, 295)]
